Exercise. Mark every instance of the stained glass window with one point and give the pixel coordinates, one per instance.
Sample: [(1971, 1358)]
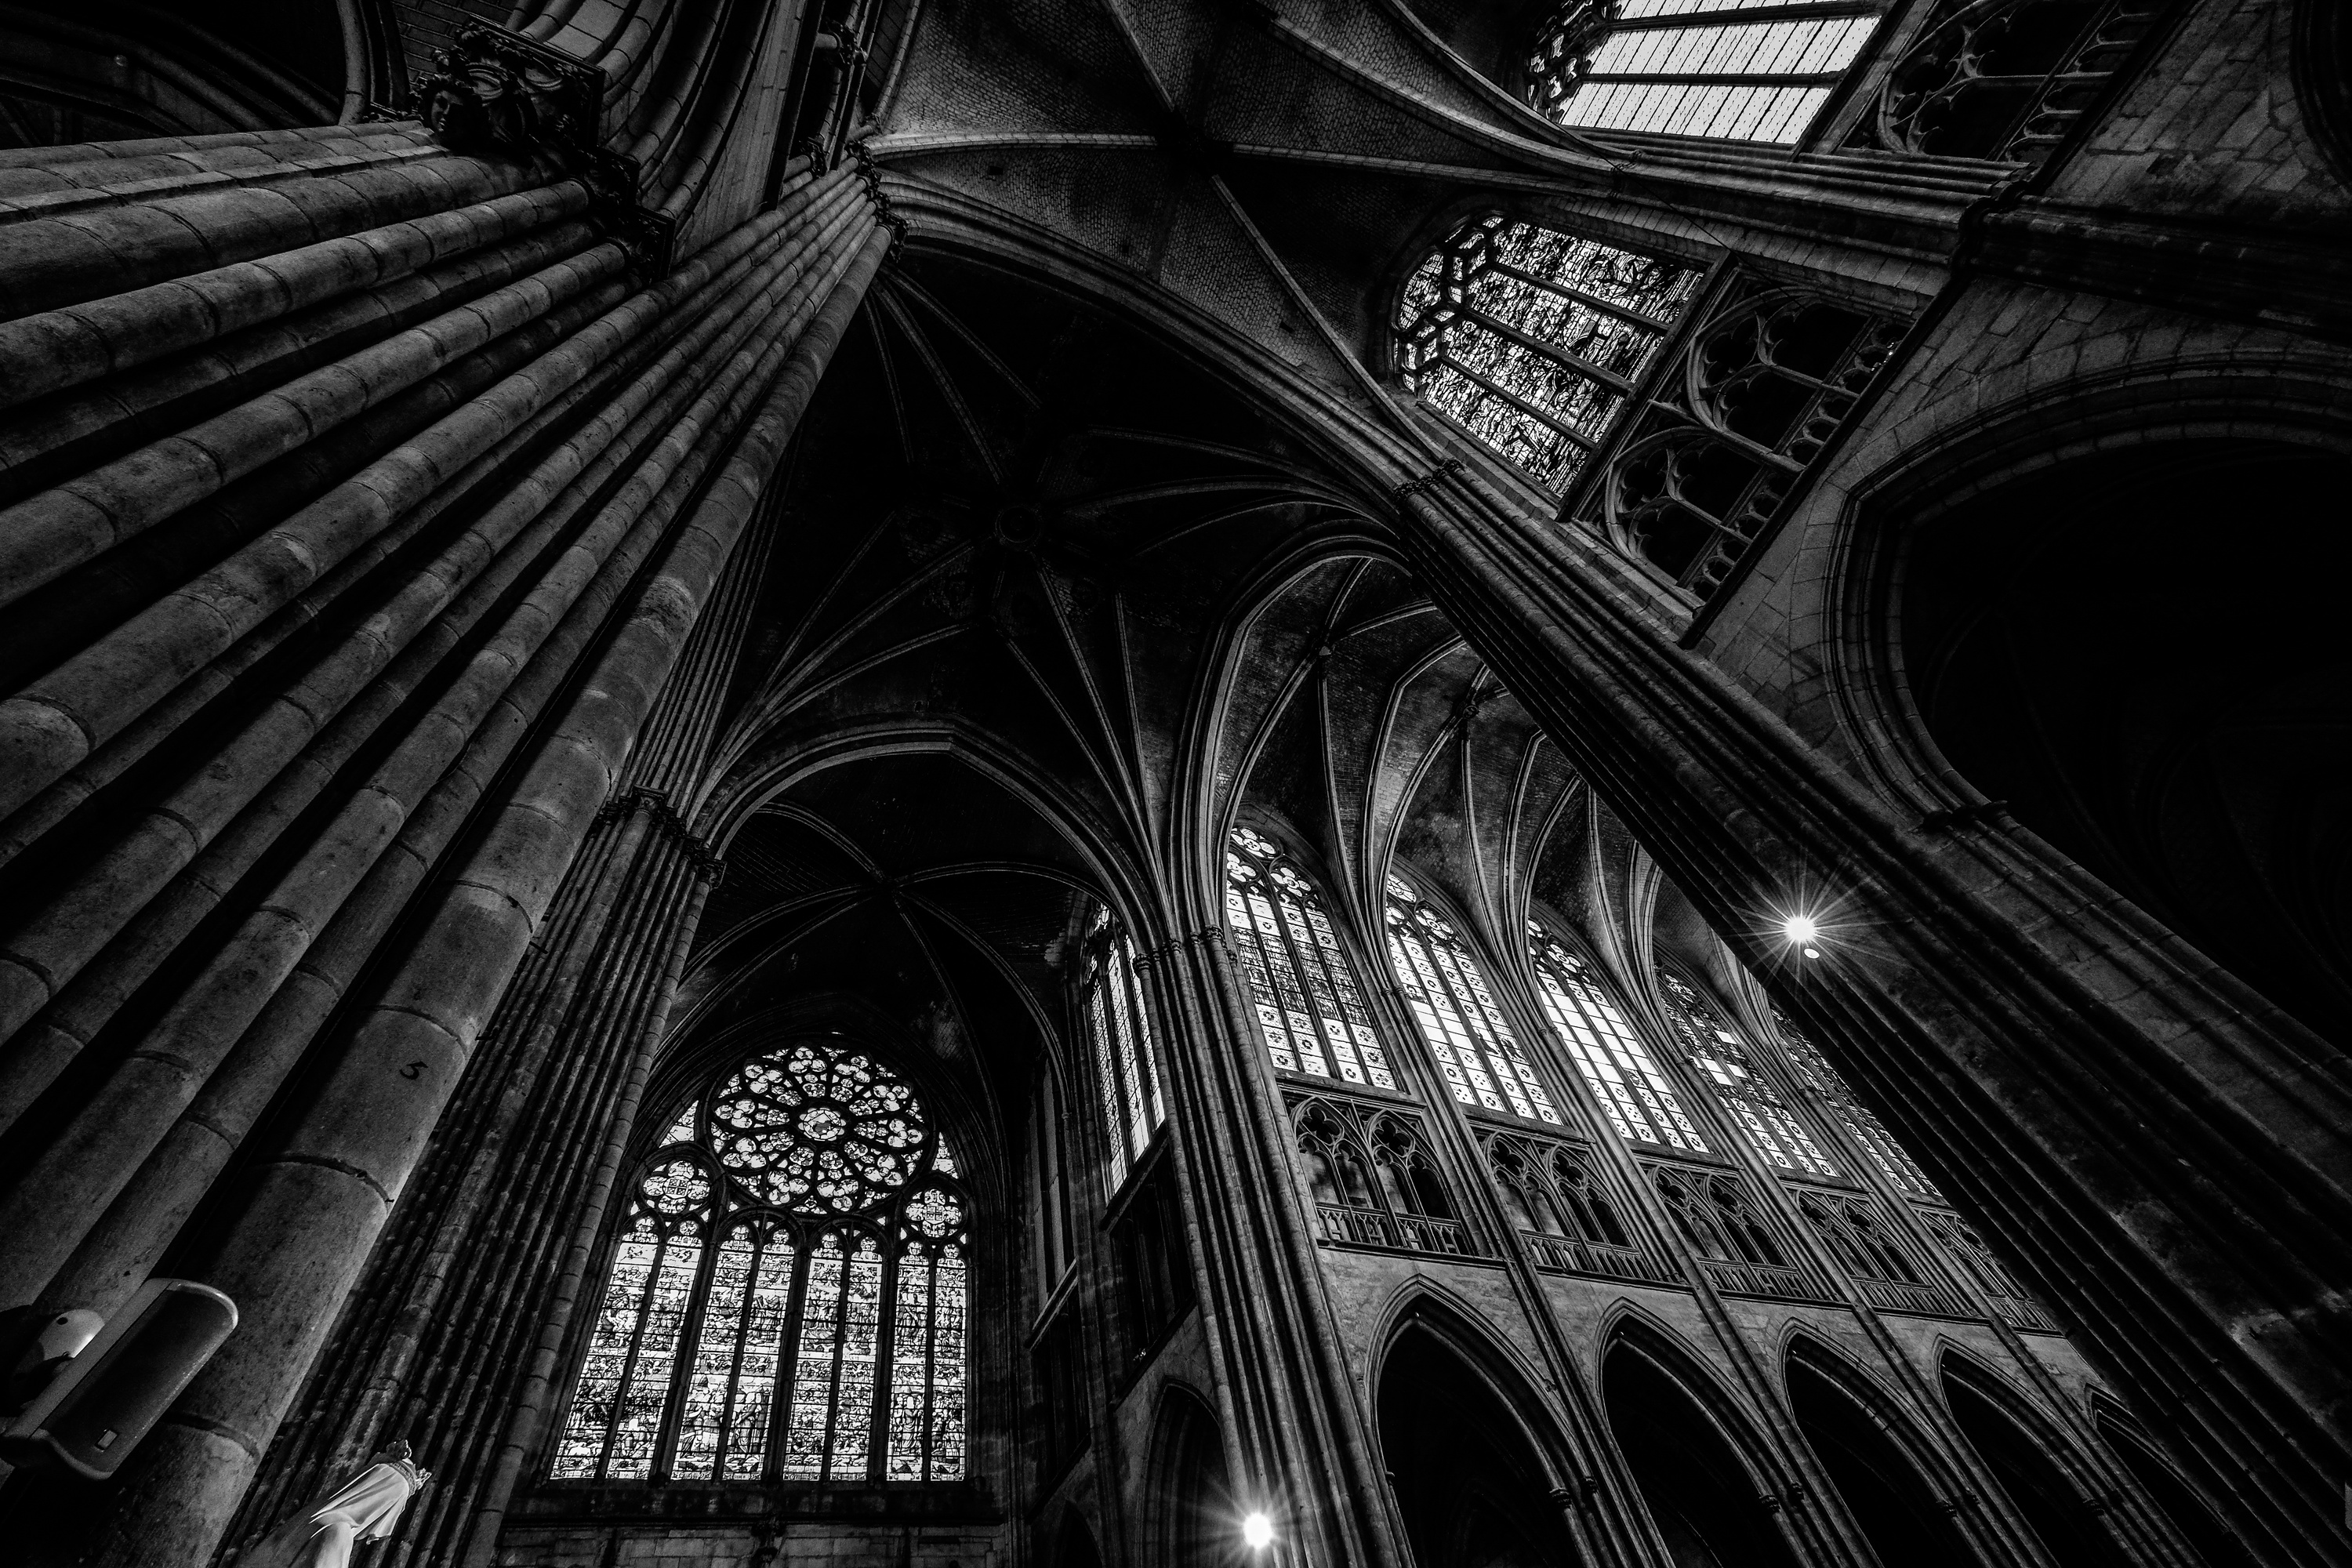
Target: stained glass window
[(1305, 994), (795, 1250), (1901, 1171), (1532, 340), (1638, 1098), (1476, 1053), (1127, 1063), (1766, 1119), (1746, 71)]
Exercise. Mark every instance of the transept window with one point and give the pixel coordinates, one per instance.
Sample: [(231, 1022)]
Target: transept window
[(1125, 1062), (1901, 1171), (787, 1297), (1695, 68), (1476, 1053), (1305, 995), (1766, 1119), (1532, 340), (1638, 1098)]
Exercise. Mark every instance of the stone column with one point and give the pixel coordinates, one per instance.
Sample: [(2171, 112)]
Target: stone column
[(2170, 1165), (300, 1218)]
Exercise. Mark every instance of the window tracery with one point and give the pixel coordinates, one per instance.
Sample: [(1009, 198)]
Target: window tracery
[(1968, 1251), (1745, 70), (1126, 1064), (1301, 985), (1737, 1247), (1902, 1172), (1478, 1056), (1374, 1180), (1882, 1266), (1770, 1126), (1532, 340), (1638, 1098), (788, 1294), (1564, 1207)]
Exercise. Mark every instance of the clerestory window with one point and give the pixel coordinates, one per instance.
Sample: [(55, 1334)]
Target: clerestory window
[(1722, 1057), (1477, 1054), (787, 1297), (1532, 340), (1637, 1096), (1894, 1161), (1745, 70), (1309, 1004), (1126, 1064)]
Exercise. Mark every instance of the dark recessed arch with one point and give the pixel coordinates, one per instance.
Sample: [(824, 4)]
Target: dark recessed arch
[(2213, 1543), (1693, 1456), (2032, 1461), (1874, 1458), (1470, 1456), (1190, 1517)]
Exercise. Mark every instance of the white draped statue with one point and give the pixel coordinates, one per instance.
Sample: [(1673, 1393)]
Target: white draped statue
[(366, 1508)]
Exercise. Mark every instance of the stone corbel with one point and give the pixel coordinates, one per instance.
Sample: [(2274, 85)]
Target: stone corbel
[(497, 92)]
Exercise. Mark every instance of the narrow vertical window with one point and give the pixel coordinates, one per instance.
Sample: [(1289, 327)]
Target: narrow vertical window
[(1766, 1119), (1638, 1100), (1477, 1054), (1304, 995), (827, 1313), (1532, 340), (1733, 69), (1901, 1171), (1127, 1063)]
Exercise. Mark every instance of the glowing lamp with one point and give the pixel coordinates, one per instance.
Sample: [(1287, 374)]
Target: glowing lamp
[(1800, 930), (1258, 1530)]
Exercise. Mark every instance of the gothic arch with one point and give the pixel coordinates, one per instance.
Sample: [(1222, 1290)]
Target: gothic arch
[(1697, 1458), (2213, 1543), (1895, 1486), (1474, 1461), (2001, 612), (2037, 1466), (1188, 1512)]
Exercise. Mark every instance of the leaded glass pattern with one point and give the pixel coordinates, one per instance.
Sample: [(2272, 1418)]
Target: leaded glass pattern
[(1637, 1098), (1770, 1126), (1895, 1164), (1532, 340), (1746, 70), (788, 1279), (1478, 1057), (1126, 1061), (1309, 1005)]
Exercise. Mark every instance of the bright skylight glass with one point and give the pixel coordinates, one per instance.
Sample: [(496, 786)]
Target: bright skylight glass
[(1673, 66)]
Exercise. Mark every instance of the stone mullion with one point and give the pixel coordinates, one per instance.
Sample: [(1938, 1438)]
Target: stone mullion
[(1303, 1426), (1609, 1524), (1740, 812)]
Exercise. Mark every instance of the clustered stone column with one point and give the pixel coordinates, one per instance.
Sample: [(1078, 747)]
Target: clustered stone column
[(2171, 1165), (373, 496)]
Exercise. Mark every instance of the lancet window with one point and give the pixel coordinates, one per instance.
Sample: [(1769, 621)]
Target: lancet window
[(1901, 1171), (787, 1298), (1309, 1004), (1746, 71), (1770, 1126), (1532, 340), (1127, 1063), (1638, 1098), (1477, 1054)]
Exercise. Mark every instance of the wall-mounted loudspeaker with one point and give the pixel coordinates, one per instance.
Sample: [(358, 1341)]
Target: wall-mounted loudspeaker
[(98, 1406)]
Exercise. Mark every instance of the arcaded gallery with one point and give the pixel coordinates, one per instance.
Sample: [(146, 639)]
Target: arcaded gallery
[(1175, 784)]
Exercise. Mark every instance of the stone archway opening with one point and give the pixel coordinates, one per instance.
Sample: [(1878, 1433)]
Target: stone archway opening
[(1471, 1488), (1889, 1501), (1703, 1499), (2028, 1475)]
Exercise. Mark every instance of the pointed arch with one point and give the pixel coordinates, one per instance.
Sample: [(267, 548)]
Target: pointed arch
[(1473, 1460), (1884, 1470), (1188, 1516), (2211, 1543), (2037, 1466), (1696, 1459)]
